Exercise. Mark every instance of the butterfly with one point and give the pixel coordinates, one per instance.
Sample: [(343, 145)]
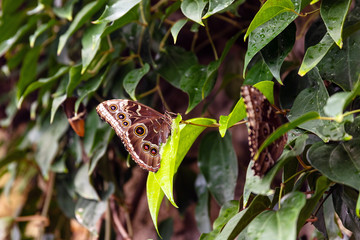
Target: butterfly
[(141, 129), (262, 121)]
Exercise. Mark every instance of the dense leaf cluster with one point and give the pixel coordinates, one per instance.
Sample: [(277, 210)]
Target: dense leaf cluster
[(59, 59)]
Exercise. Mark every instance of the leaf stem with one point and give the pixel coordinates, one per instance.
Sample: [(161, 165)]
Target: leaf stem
[(210, 40)]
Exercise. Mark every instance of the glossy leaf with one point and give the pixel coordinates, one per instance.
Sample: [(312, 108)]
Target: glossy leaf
[(66, 10), (133, 78), (227, 211), (173, 64), (188, 134), (165, 175), (280, 224), (193, 9), (88, 212), (91, 44), (82, 184), (74, 79), (275, 52), (238, 222), (48, 145), (322, 184), (336, 103), (41, 82), (266, 32), (314, 99), (315, 54), (333, 14), (340, 65), (337, 161), (332, 228), (40, 30), (238, 113), (255, 184), (116, 10), (80, 19), (344, 199), (202, 213), (217, 153), (269, 10), (283, 129), (176, 28), (258, 72), (89, 87), (217, 6), (5, 45)]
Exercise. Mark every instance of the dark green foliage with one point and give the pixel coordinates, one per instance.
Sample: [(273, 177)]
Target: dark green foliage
[(190, 57)]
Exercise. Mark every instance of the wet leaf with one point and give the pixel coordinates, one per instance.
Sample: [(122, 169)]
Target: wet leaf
[(333, 14), (116, 10), (193, 9), (218, 164)]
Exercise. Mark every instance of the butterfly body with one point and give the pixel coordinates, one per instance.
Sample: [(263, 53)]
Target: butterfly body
[(141, 129), (262, 121)]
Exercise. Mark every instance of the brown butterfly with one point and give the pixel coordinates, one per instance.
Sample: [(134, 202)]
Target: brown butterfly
[(263, 121), (141, 129)]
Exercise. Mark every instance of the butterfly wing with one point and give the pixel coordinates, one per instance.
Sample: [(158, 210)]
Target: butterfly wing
[(262, 121), (141, 129)]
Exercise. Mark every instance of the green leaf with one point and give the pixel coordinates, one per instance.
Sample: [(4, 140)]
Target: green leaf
[(40, 30), (133, 78), (188, 134), (227, 211), (175, 29), (217, 6), (275, 52), (82, 184), (333, 14), (28, 70), (88, 212), (5, 45), (218, 164), (269, 10), (91, 44), (336, 104), (332, 228), (48, 144), (57, 101), (154, 196), (341, 65), (344, 199), (193, 9), (173, 64), (89, 87), (255, 184), (192, 83), (315, 54), (339, 162), (238, 222), (202, 214), (81, 18), (41, 82), (165, 175), (314, 99), (285, 128), (66, 10), (279, 224), (263, 34), (322, 184), (74, 79), (257, 73), (116, 10), (238, 113)]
